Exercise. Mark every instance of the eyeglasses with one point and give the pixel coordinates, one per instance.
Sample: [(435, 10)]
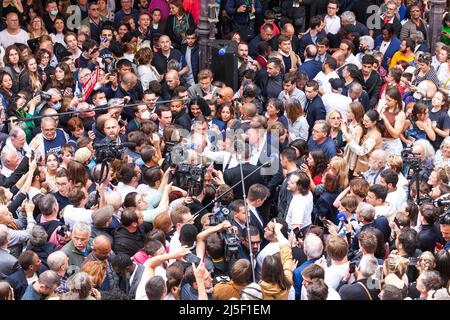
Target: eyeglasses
[(415, 10), (221, 96)]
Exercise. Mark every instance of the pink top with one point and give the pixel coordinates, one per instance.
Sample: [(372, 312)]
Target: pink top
[(161, 5)]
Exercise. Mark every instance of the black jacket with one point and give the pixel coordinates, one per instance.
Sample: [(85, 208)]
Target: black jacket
[(127, 242), (429, 235), (43, 253), (182, 119), (372, 86), (233, 175), (315, 110), (18, 282), (356, 291)]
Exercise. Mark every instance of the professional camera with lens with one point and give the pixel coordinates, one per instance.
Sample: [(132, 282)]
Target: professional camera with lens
[(45, 96), (230, 239), (108, 152), (189, 178), (410, 158)]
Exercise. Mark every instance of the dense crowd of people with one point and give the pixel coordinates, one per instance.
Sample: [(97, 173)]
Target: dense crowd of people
[(122, 158)]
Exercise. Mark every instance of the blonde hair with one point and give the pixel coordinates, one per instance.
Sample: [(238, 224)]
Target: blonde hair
[(341, 167), (3, 200), (331, 113), (426, 261), (395, 162), (396, 264)]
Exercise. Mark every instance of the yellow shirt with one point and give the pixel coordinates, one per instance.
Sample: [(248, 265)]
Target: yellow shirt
[(399, 56)]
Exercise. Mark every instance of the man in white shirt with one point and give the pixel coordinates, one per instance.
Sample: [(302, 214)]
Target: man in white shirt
[(337, 250), (301, 205), (10, 161), (376, 197), (332, 21), (396, 196), (347, 47), (273, 246), (336, 100), (13, 33), (179, 216), (328, 72), (291, 92), (75, 211), (129, 177)]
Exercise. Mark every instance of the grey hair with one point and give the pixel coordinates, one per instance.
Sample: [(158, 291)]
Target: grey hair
[(14, 132), (47, 203), (81, 283), (82, 227), (368, 266), (392, 2), (54, 92), (56, 259), (366, 211), (84, 29), (325, 126), (116, 102), (349, 16), (49, 278), (431, 280), (417, 36), (6, 155), (445, 142), (356, 87), (48, 120), (38, 236), (312, 246), (427, 148), (368, 40)]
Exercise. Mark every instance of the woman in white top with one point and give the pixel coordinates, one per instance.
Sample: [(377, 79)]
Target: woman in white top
[(60, 30), (301, 205), (353, 128), (298, 126), (146, 72)]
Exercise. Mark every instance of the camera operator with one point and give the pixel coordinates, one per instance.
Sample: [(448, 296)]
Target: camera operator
[(48, 219), (444, 222), (112, 132), (425, 150), (50, 99)]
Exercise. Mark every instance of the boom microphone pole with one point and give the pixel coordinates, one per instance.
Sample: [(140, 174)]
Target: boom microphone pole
[(247, 220)]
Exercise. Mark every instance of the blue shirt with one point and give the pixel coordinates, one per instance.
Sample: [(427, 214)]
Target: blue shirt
[(298, 278), (32, 294), (447, 245), (329, 147), (56, 144)]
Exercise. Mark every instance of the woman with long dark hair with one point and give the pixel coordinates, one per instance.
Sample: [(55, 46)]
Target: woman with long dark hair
[(198, 108), (30, 79), (13, 65), (6, 84), (63, 80), (370, 141), (317, 163), (439, 117), (178, 23), (393, 119), (419, 125)]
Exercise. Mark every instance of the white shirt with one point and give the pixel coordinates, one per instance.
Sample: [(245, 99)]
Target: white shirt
[(443, 74), (334, 274), (73, 215), (396, 199), (32, 192), (268, 250), (300, 210), (353, 59), (7, 39), (324, 80), (58, 38), (6, 172), (332, 24), (124, 189), (336, 101), (383, 47), (384, 210)]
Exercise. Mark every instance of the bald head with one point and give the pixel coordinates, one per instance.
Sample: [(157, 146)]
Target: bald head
[(378, 159), (225, 95), (172, 79), (102, 247), (340, 58), (310, 51), (249, 110)]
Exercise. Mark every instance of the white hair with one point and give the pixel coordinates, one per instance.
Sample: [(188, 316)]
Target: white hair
[(368, 266), (349, 16), (56, 259), (366, 211), (252, 292), (312, 246), (428, 149), (368, 40), (82, 227)]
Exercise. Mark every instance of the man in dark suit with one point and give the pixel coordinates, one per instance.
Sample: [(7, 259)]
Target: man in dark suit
[(30, 263), (314, 108), (8, 263), (257, 195), (315, 33), (191, 54), (311, 67), (233, 175), (180, 117), (126, 269)]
